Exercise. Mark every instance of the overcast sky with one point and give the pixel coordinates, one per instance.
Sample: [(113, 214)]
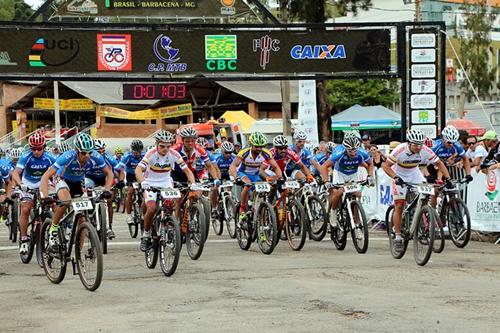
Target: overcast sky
[(34, 3)]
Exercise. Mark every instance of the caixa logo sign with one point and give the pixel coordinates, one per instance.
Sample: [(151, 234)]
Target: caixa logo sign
[(53, 52), (318, 52)]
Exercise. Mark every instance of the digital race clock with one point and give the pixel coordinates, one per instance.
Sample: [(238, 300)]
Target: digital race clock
[(154, 91)]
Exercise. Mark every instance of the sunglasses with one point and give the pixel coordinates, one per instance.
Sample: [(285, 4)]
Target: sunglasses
[(37, 148), (282, 148), (260, 147), (84, 153), (163, 146), (228, 152)]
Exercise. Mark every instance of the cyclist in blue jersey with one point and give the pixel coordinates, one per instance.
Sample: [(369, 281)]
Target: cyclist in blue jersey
[(224, 160), (5, 186), (201, 167), (346, 160), (28, 172), (118, 154), (321, 158), (130, 161), (96, 177), (69, 173), (307, 158), (449, 150)]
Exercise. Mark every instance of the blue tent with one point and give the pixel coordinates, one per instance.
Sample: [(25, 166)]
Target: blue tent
[(366, 117)]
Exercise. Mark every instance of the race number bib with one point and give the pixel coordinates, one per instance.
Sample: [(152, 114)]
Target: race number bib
[(352, 188), (291, 184), (81, 205), (170, 193), (425, 189), (262, 187)]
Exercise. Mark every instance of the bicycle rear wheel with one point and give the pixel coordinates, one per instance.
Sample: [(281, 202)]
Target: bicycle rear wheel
[(54, 259), (338, 232), (195, 234), (103, 226), (151, 255), (14, 221), (243, 234), (170, 246), (218, 222), (392, 234), (207, 213), (88, 256), (317, 218), (359, 234), (295, 225), (229, 216), (267, 231), (423, 235), (459, 222)]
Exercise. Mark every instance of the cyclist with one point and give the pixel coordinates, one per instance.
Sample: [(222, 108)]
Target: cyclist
[(69, 173), (448, 149), (346, 160), (118, 154), (154, 171), (224, 160), (130, 161), (5, 184), (322, 157), (402, 165), (31, 165), (293, 170), (14, 155), (96, 177), (201, 170), (246, 165)]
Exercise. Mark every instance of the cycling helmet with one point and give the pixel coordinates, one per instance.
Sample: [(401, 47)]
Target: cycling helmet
[(415, 136), (118, 150), (63, 146), (15, 153), (137, 145), (353, 133), (450, 134), (227, 147), (351, 142), (164, 136), (36, 140), (428, 142), (300, 135), (329, 147), (280, 141), (217, 151), (201, 141), (188, 132), (257, 139), (84, 143), (99, 144)]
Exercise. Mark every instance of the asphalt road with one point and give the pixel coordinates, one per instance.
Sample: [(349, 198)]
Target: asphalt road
[(229, 290)]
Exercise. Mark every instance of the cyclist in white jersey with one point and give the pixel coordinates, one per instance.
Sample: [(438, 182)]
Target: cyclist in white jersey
[(154, 171), (403, 167)]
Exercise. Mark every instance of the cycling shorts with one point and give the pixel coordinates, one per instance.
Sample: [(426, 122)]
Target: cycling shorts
[(253, 177), (131, 178), (399, 192), (75, 188)]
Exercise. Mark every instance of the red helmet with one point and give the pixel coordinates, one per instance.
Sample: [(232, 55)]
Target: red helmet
[(428, 142), (36, 140)]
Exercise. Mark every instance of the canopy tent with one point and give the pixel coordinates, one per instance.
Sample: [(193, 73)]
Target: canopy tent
[(366, 117), (468, 125), (239, 117)]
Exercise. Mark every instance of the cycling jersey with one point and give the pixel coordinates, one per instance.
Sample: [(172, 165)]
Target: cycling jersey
[(321, 158), (198, 153), (69, 168), (201, 166), (224, 163), (283, 162), (33, 168), (96, 171), (406, 163), (5, 168), (157, 168), (250, 165), (305, 156), (129, 161), (344, 164), (443, 152)]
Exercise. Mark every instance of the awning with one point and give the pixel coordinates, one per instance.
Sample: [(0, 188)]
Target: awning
[(243, 119), (468, 125), (366, 117)]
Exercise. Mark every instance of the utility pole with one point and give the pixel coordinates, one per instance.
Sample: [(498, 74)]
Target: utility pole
[(286, 106), (418, 10)]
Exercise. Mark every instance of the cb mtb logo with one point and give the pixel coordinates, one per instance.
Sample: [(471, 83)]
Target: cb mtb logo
[(114, 52), (53, 52), (167, 55)]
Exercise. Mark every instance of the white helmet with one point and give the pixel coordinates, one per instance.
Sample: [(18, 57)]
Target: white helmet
[(16, 152), (227, 147), (188, 132), (450, 134), (351, 142), (353, 133), (280, 141), (415, 136), (99, 144), (330, 146), (300, 135), (164, 136), (201, 141)]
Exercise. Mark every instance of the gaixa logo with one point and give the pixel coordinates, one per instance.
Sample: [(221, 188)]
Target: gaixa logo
[(318, 52), (53, 52)]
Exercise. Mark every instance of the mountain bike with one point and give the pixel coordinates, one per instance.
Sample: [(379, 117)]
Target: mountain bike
[(11, 215), (351, 218), (419, 223), (99, 216), (225, 210), (165, 232), (87, 261), (315, 210), (137, 201), (260, 220)]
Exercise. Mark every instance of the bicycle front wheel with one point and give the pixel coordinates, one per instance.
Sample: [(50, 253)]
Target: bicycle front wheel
[(392, 234), (338, 232), (295, 227), (133, 228), (229, 216), (195, 234), (14, 221), (459, 222), (88, 256), (26, 258), (218, 222), (243, 230), (317, 217), (207, 213), (103, 226), (438, 246), (53, 258), (267, 231), (359, 234), (170, 246), (423, 235), (151, 254)]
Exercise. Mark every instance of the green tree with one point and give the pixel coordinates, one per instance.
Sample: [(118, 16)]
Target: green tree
[(474, 48), (14, 10)]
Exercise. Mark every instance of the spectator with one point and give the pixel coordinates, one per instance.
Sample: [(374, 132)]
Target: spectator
[(237, 147), (378, 157), (470, 147), (366, 141), (483, 148), (393, 145)]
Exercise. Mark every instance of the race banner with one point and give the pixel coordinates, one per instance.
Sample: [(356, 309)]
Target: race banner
[(83, 104), (308, 114), (483, 201), (176, 111), (147, 114)]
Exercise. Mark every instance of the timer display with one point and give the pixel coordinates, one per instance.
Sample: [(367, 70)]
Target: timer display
[(135, 91)]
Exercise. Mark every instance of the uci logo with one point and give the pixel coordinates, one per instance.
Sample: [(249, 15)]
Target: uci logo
[(53, 52)]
